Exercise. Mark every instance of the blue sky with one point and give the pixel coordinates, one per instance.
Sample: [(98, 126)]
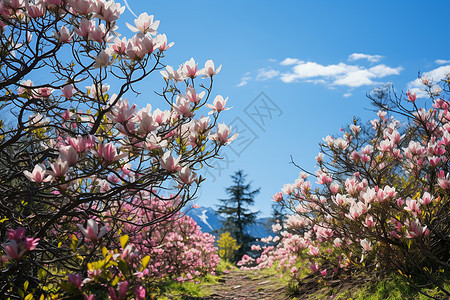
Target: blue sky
[(295, 71)]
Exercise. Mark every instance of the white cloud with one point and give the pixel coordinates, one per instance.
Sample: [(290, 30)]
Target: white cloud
[(290, 61), (244, 79), (346, 95), (272, 60), (434, 76), (442, 61), (370, 58), (242, 83), (265, 74), (339, 74)]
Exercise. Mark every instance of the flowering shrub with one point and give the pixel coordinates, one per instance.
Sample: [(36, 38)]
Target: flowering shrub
[(176, 246), (75, 151), (382, 200)]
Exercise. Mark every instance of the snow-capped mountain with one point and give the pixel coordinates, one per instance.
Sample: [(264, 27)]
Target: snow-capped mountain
[(209, 220)]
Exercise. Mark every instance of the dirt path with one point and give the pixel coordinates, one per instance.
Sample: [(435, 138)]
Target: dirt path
[(248, 285)]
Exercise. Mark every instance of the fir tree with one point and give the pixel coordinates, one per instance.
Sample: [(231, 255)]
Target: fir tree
[(236, 212)]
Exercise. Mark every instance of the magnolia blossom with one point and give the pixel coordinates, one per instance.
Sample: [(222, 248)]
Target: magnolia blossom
[(426, 199), (144, 23), (222, 134), (67, 91), (36, 9), (63, 35), (108, 10), (218, 105), (209, 70), (313, 250), (109, 152), (92, 231), (59, 168), (415, 229), (366, 245), (104, 59), (39, 174), (169, 163), (186, 176), (190, 69)]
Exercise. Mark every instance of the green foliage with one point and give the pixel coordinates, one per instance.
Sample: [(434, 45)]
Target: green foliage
[(237, 215), (227, 246)]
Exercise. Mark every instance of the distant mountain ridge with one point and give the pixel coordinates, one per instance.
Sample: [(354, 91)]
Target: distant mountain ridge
[(208, 220)]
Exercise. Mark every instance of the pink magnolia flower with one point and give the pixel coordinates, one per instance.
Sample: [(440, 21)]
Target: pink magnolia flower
[(36, 9), (426, 199), (366, 245), (67, 91), (190, 69), (109, 152), (278, 197), (209, 70), (313, 250), (415, 229), (103, 59), (337, 242), (144, 23), (108, 10), (169, 163), (411, 96), (218, 105), (63, 35), (17, 234), (122, 112), (192, 95), (97, 33), (161, 42), (369, 221), (412, 206), (68, 154), (92, 231), (186, 176), (314, 267), (120, 45), (88, 297), (334, 187), (170, 74), (85, 27), (222, 134), (59, 168), (38, 175), (183, 106)]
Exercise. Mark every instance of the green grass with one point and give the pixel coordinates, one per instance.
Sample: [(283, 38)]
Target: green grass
[(198, 288)]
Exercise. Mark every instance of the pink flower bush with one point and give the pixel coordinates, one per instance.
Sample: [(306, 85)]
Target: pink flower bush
[(381, 201)]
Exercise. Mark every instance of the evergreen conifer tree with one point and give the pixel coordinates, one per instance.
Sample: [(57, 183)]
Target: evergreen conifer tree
[(236, 212)]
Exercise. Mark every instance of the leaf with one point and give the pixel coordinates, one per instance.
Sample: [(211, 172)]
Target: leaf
[(104, 251), (25, 285), (124, 240), (123, 266), (29, 297), (145, 262)]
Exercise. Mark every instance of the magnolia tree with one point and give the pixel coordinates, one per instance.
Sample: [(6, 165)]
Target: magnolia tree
[(381, 204), (74, 151)]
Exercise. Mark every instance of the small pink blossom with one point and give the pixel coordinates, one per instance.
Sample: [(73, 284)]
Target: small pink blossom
[(92, 231)]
